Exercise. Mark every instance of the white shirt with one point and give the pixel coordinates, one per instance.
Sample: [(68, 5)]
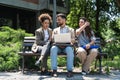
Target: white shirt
[(46, 35), (64, 30)]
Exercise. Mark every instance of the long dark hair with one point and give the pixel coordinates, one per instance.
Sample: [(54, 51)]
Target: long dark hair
[(87, 28)]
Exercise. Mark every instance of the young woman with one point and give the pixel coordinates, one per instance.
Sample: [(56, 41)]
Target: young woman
[(86, 39), (42, 42)]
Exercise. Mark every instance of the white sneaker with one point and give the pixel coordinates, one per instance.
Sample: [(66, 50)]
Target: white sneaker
[(83, 73)]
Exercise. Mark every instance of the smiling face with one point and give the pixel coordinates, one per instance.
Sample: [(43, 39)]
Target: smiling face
[(60, 21), (81, 22), (46, 23)]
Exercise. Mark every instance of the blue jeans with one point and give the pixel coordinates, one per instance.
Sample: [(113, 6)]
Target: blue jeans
[(70, 56)]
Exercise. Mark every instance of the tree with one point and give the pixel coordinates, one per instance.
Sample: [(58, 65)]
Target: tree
[(98, 12), (103, 16)]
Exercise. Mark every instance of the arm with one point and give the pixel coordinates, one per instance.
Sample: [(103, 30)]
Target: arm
[(39, 40), (50, 35), (92, 41), (52, 38), (89, 44), (78, 31), (73, 36)]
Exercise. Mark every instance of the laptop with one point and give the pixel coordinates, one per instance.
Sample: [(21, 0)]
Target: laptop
[(62, 38)]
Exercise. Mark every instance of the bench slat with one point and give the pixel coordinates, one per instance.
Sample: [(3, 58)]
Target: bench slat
[(31, 41), (27, 44), (29, 53), (29, 37)]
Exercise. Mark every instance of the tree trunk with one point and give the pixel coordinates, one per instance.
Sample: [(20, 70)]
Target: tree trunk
[(85, 9), (97, 17), (118, 2)]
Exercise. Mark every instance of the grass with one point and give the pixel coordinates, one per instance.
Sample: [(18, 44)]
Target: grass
[(109, 64)]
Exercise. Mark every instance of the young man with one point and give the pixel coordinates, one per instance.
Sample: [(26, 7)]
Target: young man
[(62, 28)]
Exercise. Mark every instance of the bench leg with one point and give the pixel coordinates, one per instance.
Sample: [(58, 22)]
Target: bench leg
[(95, 64), (100, 64), (23, 60)]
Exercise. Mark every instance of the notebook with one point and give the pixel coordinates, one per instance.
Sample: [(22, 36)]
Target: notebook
[(62, 38), (91, 47)]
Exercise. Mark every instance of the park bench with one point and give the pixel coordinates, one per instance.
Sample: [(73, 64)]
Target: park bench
[(26, 50), (28, 42), (100, 55)]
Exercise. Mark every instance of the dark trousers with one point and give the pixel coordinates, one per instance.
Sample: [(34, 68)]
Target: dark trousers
[(44, 51)]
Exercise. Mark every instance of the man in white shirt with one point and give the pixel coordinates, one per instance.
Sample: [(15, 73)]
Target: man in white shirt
[(63, 28)]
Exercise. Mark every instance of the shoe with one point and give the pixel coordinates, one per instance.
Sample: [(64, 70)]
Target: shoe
[(84, 73), (45, 72), (37, 63), (54, 73), (69, 74)]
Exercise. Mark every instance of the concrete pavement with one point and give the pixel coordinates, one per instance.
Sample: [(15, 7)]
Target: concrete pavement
[(114, 75)]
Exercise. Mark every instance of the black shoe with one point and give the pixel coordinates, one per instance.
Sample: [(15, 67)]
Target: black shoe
[(37, 63), (54, 73), (69, 74), (45, 72)]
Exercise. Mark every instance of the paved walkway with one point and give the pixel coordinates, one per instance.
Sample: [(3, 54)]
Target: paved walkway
[(114, 75)]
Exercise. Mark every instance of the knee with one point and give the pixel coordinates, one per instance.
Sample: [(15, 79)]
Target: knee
[(69, 49), (94, 51), (53, 48), (80, 50)]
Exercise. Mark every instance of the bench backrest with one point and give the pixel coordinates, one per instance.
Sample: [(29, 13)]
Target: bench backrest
[(27, 43), (98, 41)]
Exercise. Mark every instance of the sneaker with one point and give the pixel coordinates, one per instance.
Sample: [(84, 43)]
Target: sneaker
[(45, 72), (83, 73), (54, 73), (37, 63), (69, 74)]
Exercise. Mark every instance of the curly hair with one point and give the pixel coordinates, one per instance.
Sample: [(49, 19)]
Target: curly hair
[(45, 16)]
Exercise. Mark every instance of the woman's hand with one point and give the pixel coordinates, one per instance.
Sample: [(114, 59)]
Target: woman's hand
[(88, 46), (87, 23), (78, 31)]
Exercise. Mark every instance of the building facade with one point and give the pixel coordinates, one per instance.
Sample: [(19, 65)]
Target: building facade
[(24, 13)]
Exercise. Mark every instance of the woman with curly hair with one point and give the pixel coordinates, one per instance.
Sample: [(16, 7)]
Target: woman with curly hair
[(42, 41)]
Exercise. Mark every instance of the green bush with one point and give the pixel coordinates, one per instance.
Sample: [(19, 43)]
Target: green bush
[(10, 44)]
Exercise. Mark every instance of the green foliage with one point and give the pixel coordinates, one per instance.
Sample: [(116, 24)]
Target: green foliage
[(76, 11), (112, 65), (112, 39), (61, 61), (10, 44)]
